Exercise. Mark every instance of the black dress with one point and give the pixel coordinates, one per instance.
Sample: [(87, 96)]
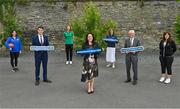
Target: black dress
[(90, 65)]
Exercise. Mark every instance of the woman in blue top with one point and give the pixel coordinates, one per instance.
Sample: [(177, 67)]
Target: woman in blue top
[(111, 50), (14, 44)]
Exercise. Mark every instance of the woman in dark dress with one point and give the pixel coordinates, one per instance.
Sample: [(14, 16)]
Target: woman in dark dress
[(167, 49), (90, 66)]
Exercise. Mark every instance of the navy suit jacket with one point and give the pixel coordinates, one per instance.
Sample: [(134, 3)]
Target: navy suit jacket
[(35, 42)]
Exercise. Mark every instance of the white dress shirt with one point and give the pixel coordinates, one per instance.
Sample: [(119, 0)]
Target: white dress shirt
[(131, 41), (41, 39)]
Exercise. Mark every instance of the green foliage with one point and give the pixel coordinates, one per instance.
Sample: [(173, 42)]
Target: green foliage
[(177, 29), (22, 2), (51, 1), (91, 22), (8, 19)]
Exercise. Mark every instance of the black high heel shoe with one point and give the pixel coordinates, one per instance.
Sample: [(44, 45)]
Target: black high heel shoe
[(89, 92)]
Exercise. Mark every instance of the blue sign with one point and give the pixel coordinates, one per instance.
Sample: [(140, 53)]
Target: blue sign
[(41, 48), (110, 40), (132, 49), (88, 51)]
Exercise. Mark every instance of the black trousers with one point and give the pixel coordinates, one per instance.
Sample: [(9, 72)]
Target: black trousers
[(14, 58), (166, 63), (69, 51)]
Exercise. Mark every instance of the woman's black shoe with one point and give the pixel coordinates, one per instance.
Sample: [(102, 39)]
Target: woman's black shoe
[(89, 92)]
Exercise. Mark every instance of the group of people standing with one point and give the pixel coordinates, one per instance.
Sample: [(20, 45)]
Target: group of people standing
[(90, 65)]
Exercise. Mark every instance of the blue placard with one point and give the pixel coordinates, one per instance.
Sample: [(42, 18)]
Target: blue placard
[(88, 51), (110, 40), (132, 49), (41, 48)]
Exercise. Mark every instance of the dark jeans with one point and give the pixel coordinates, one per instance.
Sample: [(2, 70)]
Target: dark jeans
[(69, 51), (166, 63), (14, 58)]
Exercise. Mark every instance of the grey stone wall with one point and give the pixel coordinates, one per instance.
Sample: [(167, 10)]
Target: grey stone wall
[(149, 21)]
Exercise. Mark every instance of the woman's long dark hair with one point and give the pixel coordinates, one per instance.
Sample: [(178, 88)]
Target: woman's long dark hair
[(87, 38), (169, 39), (12, 33)]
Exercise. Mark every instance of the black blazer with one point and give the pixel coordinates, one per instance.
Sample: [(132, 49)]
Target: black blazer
[(168, 50), (86, 46)]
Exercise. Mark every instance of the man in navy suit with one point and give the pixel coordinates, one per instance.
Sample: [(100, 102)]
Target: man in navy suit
[(40, 56)]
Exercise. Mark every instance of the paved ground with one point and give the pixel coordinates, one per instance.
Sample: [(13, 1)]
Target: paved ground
[(17, 89)]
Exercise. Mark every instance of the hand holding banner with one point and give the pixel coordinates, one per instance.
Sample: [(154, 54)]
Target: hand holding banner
[(132, 49), (88, 51), (41, 48)]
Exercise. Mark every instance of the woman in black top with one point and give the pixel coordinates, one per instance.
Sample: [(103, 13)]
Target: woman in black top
[(90, 66), (167, 49)]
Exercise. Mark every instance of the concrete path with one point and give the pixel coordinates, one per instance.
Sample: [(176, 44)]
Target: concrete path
[(17, 90)]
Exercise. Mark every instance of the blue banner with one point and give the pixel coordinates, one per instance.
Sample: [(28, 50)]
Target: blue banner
[(41, 48), (132, 49), (110, 40), (88, 51)]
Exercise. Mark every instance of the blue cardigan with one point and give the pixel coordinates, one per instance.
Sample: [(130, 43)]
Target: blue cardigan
[(17, 44), (111, 44)]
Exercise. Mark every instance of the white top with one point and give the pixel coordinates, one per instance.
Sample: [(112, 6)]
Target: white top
[(131, 41), (41, 38), (164, 43)]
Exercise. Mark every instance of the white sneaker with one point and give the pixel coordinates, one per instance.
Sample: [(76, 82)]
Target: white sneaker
[(162, 79), (13, 70), (167, 81), (67, 62), (113, 66), (70, 62), (108, 65)]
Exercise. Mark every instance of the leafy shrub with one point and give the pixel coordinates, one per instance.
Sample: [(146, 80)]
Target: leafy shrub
[(91, 22)]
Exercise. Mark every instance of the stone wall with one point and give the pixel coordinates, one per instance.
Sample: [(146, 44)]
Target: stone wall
[(149, 20)]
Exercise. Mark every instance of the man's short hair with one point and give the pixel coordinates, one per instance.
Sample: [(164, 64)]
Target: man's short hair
[(40, 27), (131, 31)]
